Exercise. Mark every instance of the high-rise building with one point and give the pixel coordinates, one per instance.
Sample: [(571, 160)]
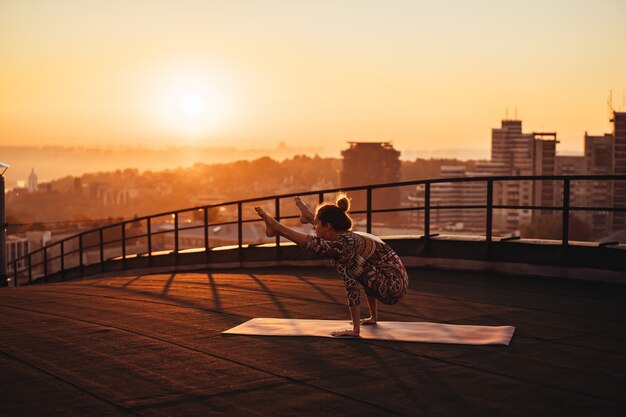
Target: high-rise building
[(544, 163), (619, 168), (599, 161), (458, 194), (572, 165), (495, 169), (448, 194), (372, 163), (514, 149)]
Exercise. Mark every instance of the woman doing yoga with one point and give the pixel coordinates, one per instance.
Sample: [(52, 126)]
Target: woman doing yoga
[(360, 258)]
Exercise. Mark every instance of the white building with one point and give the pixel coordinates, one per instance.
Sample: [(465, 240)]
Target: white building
[(33, 184), (16, 248)]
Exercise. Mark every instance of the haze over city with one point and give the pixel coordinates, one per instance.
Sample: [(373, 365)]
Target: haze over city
[(428, 76)]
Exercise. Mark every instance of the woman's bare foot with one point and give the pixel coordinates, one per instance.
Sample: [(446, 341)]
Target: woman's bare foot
[(306, 215), (269, 220), (368, 321), (344, 333)]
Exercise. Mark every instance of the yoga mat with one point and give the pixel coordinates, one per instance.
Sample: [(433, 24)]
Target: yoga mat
[(385, 330)]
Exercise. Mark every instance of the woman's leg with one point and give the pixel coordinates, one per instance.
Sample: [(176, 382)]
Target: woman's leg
[(372, 302), (386, 284), (306, 215)]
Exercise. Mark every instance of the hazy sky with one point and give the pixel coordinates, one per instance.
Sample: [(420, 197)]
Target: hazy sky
[(426, 75)]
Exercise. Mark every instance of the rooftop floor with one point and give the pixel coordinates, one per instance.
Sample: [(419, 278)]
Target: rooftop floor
[(151, 345)]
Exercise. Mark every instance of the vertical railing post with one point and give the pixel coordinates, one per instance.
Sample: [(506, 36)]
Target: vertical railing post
[(30, 268), (239, 225), (176, 245), (101, 238), (206, 230), (489, 223), (368, 213), (427, 210), (277, 217), (149, 233), (62, 260), (15, 272), (80, 254), (123, 225), (566, 195), (320, 198), (45, 263)]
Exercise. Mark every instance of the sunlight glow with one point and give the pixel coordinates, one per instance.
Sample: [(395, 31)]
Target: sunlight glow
[(191, 104)]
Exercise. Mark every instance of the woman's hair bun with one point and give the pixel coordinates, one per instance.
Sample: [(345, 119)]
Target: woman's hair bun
[(343, 202), (335, 214)]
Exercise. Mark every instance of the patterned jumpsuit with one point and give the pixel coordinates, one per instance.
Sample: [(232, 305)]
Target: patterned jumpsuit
[(361, 258)]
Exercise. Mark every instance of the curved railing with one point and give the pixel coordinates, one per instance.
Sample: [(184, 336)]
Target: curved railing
[(166, 233)]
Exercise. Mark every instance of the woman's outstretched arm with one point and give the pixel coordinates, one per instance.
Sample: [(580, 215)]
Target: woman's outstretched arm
[(273, 228)]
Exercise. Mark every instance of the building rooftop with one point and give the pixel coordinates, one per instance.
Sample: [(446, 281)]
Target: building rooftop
[(151, 344)]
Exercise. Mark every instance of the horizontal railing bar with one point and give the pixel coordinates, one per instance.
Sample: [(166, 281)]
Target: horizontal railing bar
[(592, 209), (222, 223), (376, 186), (402, 209), (270, 199), (197, 226), (616, 209), (433, 207)]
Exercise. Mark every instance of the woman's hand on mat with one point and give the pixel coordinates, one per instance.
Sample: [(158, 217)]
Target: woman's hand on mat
[(344, 333), (368, 321)]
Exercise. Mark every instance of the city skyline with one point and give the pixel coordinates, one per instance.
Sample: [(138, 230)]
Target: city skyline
[(428, 77)]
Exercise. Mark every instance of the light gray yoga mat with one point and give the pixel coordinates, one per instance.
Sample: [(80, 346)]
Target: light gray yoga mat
[(384, 330)]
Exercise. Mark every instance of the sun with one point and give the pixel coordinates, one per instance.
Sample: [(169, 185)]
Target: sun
[(192, 105)]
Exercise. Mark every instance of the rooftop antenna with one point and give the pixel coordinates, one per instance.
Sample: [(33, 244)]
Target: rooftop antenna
[(609, 102)]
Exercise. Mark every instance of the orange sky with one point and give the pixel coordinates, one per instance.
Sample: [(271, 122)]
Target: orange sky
[(426, 75)]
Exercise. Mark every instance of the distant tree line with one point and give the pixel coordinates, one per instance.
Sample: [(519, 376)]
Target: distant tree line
[(95, 199)]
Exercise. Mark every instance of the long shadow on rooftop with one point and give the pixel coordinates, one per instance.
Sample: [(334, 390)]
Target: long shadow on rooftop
[(131, 281), (398, 380), (318, 288), (272, 296), (168, 284), (159, 298), (216, 297)]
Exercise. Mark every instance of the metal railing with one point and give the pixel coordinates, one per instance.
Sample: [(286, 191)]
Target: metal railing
[(58, 257)]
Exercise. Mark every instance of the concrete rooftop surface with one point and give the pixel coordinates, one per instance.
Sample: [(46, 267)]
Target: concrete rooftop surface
[(151, 345)]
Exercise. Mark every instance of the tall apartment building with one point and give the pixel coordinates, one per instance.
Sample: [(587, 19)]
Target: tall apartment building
[(572, 165), (494, 169), (448, 194), (515, 150), (372, 163), (599, 161), (459, 194), (544, 163), (619, 168), (514, 153)]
